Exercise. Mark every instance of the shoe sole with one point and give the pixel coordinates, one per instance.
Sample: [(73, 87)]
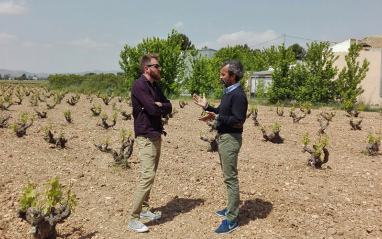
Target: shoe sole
[(150, 218), (220, 215), (138, 230), (228, 231)]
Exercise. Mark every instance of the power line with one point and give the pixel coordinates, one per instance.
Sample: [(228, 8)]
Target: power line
[(267, 41), (301, 38), (309, 39)]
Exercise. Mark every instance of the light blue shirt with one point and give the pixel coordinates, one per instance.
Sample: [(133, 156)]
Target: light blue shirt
[(232, 87)]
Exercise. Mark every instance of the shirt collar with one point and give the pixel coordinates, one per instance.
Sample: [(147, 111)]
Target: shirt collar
[(232, 87), (147, 80)]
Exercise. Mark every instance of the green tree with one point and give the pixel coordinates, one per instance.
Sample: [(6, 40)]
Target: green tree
[(298, 76), (239, 52), (260, 62), (248, 58), (106, 83), (65, 82), (318, 72), (282, 86), (130, 61), (89, 83), (261, 89), (172, 60), (350, 77), (200, 79), (299, 51), (186, 43), (228, 53), (271, 56)]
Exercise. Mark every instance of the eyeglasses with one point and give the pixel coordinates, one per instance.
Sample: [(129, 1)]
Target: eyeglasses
[(154, 65)]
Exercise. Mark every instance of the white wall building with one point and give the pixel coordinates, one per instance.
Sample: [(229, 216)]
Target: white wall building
[(256, 77), (372, 83)]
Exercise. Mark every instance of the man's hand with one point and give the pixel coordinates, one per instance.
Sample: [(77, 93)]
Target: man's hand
[(202, 102), (159, 104), (238, 126), (208, 116)]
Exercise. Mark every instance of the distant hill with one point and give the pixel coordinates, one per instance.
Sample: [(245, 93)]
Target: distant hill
[(14, 73), (96, 72)]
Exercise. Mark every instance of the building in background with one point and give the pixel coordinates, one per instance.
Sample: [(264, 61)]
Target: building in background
[(372, 52), (207, 52), (372, 83), (253, 81)]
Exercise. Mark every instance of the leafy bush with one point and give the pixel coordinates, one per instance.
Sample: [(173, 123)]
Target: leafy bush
[(54, 194)]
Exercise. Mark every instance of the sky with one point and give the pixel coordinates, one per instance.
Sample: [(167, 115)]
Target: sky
[(55, 36)]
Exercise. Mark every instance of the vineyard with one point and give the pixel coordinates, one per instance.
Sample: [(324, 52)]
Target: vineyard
[(282, 196)]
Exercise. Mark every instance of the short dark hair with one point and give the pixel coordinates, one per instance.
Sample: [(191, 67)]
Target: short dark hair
[(146, 60), (234, 68)]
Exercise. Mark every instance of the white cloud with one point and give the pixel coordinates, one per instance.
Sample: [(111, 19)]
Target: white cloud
[(6, 38), (249, 38), (242, 37), (27, 44), (87, 44), (11, 8), (178, 24), (47, 46), (252, 39)]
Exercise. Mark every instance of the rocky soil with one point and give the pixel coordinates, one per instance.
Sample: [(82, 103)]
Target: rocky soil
[(281, 197)]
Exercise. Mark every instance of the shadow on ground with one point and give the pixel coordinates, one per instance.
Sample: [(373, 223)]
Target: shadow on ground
[(78, 232), (175, 207), (254, 209)]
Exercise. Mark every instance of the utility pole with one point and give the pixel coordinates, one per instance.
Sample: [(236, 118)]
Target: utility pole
[(284, 38)]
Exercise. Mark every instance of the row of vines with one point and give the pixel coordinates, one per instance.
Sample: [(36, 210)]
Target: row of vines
[(58, 201)]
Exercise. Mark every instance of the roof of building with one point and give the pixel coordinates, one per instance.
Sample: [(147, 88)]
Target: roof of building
[(374, 41), (364, 44), (262, 72)]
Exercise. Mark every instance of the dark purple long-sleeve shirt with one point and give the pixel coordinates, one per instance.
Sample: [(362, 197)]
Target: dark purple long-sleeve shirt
[(147, 115)]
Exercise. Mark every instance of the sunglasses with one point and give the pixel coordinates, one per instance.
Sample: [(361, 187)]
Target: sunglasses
[(154, 65)]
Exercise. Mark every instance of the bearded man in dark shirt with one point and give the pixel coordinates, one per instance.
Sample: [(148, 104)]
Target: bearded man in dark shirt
[(230, 116), (149, 106)]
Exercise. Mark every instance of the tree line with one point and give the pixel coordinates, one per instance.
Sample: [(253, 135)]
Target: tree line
[(302, 75), (109, 84), (19, 78)]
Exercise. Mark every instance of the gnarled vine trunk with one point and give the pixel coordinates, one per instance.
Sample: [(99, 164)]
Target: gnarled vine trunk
[(315, 158), (44, 225), (273, 137)]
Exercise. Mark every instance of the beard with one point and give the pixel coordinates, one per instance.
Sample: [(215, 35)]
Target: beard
[(155, 75), (226, 83)]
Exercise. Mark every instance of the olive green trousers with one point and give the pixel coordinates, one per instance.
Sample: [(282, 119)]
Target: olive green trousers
[(228, 147)]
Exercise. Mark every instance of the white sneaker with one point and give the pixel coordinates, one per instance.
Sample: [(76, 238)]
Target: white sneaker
[(137, 226), (149, 215)]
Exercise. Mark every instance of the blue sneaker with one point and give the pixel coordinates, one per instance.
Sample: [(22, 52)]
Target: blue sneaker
[(227, 227), (222, 213)]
